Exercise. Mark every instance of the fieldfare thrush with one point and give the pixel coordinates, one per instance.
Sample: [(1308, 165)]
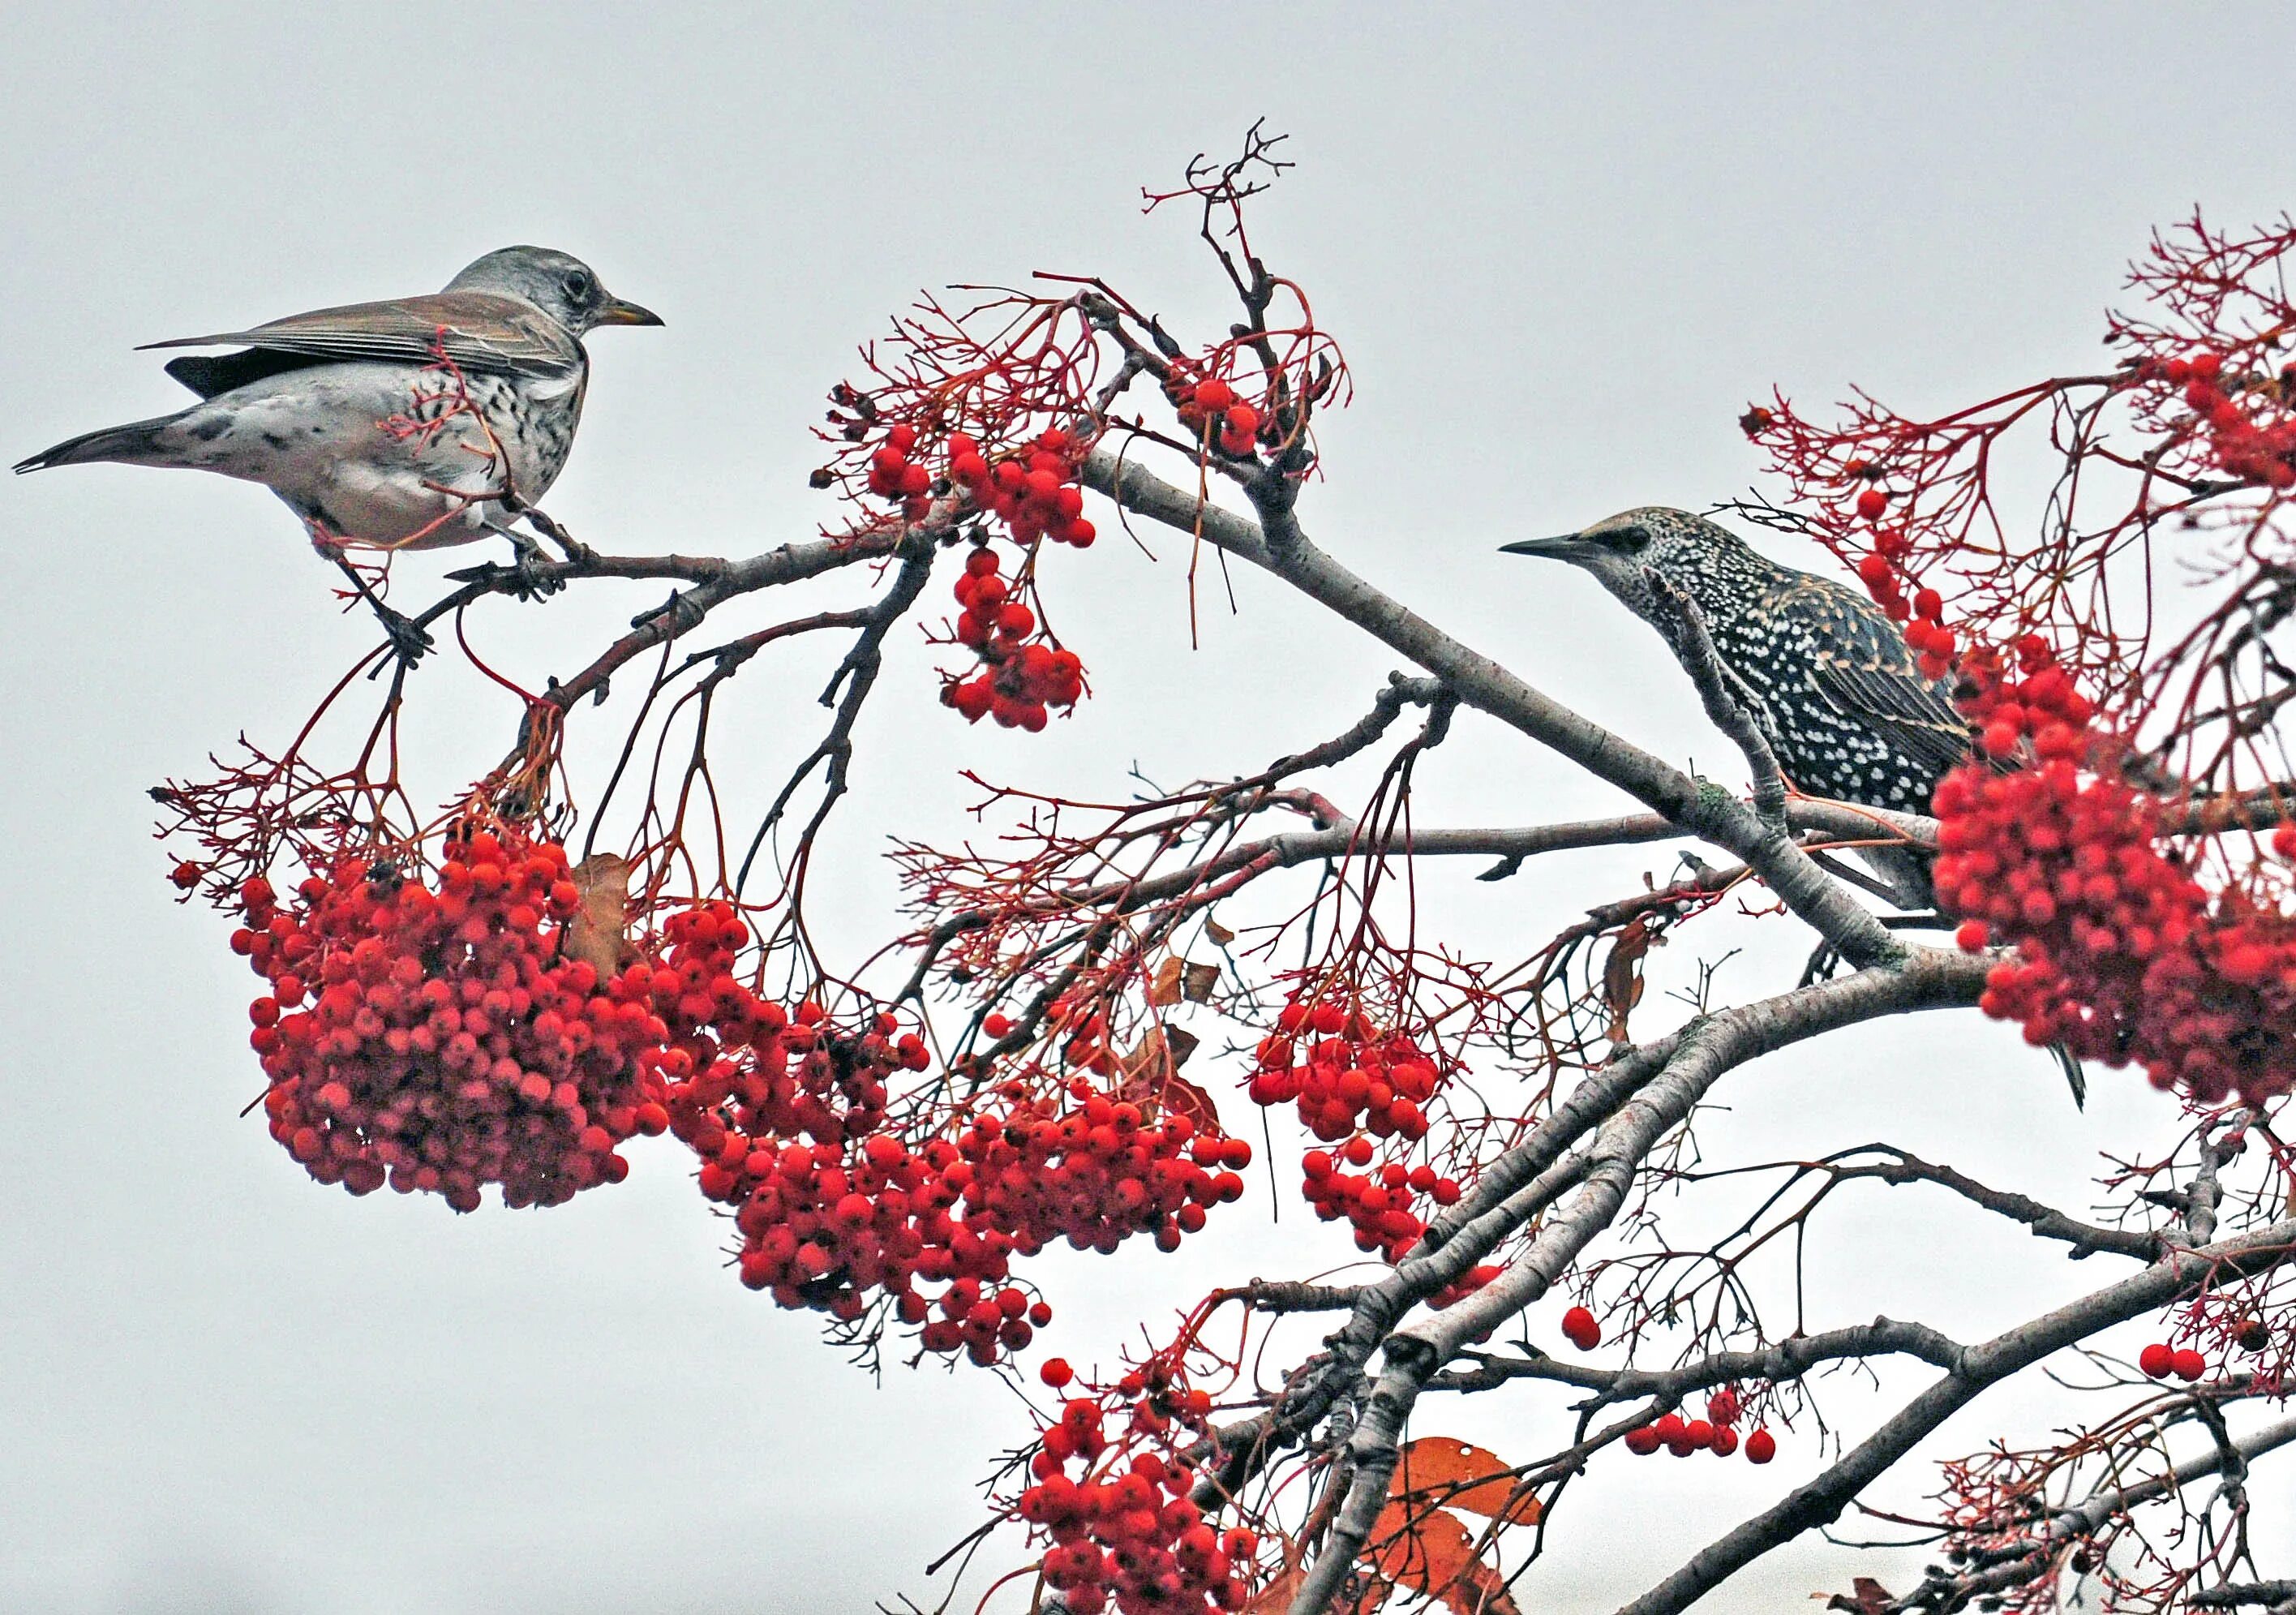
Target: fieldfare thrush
[(405, 425)]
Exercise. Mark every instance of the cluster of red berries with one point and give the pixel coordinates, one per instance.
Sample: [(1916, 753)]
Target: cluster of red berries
[(1125, 1528), (857, 1214), (893, 475), (1035, 494), (433, 1038), (2159, 1361), (1378, 1204), (1020, 679), (1344, 1073), (2244, 438), (2118, 956), (1095, 1173), (1716, 1433), (1211, 408), (1882, 570)]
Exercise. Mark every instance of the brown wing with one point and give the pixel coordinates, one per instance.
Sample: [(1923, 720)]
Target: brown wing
[(1862, 665), (479, 330)]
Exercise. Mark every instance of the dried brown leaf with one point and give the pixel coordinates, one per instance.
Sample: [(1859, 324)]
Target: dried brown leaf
[(1433, 1465), (1198, 981), (1164, 988), (599, 932)]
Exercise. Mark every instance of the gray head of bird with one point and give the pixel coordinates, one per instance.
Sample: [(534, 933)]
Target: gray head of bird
[(1697, 557), (561, 285)]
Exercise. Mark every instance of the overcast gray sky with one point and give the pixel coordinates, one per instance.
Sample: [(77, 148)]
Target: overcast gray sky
[(1563, 245)]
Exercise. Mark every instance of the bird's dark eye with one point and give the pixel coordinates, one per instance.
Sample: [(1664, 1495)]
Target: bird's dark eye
[(1626, 540), (577, 284)]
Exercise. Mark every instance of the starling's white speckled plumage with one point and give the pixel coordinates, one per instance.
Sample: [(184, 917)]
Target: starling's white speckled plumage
[(1823, 673)]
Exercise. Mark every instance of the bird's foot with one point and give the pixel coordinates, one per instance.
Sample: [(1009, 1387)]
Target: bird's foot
[(409, 639), (535, 577)]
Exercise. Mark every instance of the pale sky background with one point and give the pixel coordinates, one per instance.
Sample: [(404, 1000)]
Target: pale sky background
[(1562, 246)]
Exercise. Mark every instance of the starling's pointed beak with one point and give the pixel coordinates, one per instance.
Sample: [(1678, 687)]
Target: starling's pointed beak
[(619, 313), (1570, 546)]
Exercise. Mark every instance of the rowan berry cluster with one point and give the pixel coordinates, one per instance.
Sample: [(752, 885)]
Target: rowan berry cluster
[(1210, 409), (2158, 1361), (432, 1036), (1882, 570), (1344, 1073), (1716, 1433), (1378, 1204), (1123, 1527), (893, 475), (860, 1213), (2119, 956), (1020, 677), (2244, 419), (1034, 493)]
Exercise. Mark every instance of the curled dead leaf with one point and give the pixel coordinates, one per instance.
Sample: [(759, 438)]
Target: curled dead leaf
[(599, 932)]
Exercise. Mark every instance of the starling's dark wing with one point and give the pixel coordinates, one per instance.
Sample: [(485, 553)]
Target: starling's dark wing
[(477, 331), (1862, 664)]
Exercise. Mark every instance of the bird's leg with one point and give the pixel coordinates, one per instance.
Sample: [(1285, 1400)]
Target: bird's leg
[(408, 638), (1823, 961), (541, 521)]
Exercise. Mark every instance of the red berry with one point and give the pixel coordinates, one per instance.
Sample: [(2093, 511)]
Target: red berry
[(2188, 1364), (1056, 1373), (1579, 1327), (1761, 1447), (2156, 1361), (1872, 504)]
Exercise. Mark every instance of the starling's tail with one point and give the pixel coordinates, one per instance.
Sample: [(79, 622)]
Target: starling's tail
[(136, 444), (1905, 871)]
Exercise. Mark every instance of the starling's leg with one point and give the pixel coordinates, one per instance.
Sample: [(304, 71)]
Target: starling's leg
[(1823, 961), (408, 638)]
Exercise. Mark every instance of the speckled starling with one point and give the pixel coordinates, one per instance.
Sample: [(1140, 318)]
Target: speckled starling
[(1821, 670)]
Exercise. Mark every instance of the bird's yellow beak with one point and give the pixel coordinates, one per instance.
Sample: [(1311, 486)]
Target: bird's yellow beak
[(619, 313)]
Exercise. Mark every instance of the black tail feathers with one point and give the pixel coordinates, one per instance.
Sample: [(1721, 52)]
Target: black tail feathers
[(137, 442)]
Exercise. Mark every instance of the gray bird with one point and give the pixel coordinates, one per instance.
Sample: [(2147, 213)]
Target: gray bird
[(406, 424), (1821, 670)]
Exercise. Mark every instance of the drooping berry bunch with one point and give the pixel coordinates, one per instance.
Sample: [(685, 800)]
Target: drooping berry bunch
[(2243, 418), (1716, 1433), (893, 475), (1033, 493), (1344, 1072), (2120, 954), (1210, 408), (1093, 1173), (1123, 1526), (1379, 1204), (860, 1214), (1020, 676), (433, 1035)]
